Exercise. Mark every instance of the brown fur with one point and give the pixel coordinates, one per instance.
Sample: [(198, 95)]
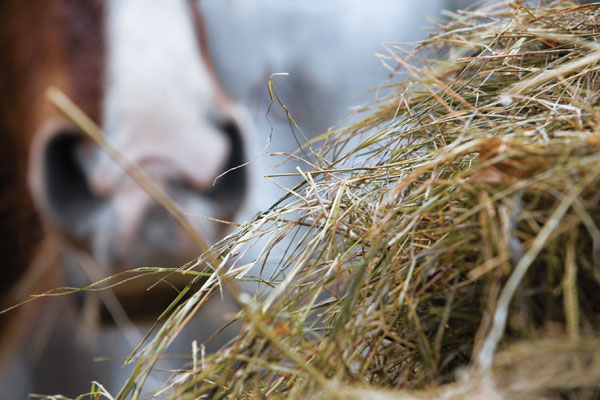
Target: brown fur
[(43, 43), (29, 66), (202, 41)]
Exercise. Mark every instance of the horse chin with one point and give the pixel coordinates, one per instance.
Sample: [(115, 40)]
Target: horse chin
[(143, 265)]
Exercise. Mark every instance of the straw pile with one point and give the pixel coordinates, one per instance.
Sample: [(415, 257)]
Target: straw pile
[(447, 245)]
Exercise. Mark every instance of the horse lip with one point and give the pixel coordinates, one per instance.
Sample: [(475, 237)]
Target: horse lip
[(131, 211), (130, 202), (173, 251)]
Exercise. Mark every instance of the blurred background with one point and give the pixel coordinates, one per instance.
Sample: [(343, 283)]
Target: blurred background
[(328, 48)]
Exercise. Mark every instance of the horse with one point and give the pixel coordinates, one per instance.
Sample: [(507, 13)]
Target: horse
[(141, 71)]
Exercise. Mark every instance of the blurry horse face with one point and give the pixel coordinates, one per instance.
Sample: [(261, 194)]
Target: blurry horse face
[(140, 70)]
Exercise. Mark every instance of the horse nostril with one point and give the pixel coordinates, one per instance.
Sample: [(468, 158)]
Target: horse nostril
[(67, 194), (231, 186)]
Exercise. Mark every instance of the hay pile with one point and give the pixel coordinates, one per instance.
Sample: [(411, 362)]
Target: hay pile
[(445, 246)]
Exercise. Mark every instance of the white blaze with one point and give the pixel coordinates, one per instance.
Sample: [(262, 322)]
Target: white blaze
[(160, 97), (159, 109)]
